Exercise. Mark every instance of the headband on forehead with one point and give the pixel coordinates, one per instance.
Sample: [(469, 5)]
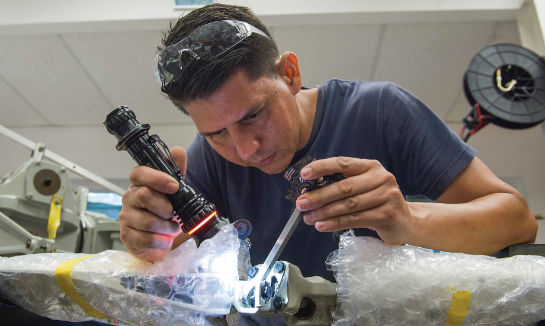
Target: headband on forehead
[(205, 42)]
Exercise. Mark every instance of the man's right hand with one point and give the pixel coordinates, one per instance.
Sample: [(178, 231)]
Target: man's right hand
[(146, 227)]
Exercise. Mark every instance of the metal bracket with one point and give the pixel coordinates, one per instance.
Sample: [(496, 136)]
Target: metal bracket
[(300, 300), (39, 150), (23, 241)]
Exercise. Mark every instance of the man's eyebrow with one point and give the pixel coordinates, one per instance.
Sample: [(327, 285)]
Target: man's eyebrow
[(252, 110), (210, 133)]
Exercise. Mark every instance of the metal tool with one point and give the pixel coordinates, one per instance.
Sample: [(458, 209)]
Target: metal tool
[(275, 252), (280, 243), (255, 294), (292, 223)]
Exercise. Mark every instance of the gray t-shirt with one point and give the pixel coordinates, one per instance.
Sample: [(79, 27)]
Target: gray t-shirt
[(371, 120)]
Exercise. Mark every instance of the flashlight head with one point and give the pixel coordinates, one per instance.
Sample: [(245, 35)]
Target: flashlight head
[(122, 123)]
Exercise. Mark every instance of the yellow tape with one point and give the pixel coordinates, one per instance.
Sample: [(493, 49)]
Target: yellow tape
[(54, 216), (64, 280), (458, 308)]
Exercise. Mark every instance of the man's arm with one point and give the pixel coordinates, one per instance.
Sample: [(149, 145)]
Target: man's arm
[(477, 213)]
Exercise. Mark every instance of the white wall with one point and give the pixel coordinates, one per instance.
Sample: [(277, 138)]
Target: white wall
[(517, 156)]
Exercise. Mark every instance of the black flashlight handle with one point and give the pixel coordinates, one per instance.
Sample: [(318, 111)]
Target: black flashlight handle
[(197, 216), (144, 151)]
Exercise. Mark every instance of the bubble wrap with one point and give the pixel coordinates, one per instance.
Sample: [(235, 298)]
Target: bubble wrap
[(405, 285), (187, 287)]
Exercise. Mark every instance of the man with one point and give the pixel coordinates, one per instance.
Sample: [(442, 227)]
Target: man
[(261, 134)]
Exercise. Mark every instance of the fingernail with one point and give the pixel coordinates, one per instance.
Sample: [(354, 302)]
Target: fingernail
[(302, 203), (309, 219), (319, 225), (173, 186), (305, 172)]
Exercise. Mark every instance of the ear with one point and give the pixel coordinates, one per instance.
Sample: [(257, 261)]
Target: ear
[(287, 68)]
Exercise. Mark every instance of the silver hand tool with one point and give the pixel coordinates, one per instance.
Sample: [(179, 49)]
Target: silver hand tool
[(280, 244)]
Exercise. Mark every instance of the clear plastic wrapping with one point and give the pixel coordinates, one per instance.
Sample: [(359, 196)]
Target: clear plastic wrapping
[(189, 285), (405, 285)]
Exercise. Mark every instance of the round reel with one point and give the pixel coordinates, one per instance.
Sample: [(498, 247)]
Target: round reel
[(505, 84)]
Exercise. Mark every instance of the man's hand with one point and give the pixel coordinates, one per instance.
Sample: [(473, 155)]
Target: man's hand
[(146, 228), (368, 197), (477, 213)]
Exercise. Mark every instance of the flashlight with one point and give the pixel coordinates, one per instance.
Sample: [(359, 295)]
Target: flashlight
[(197, 216)]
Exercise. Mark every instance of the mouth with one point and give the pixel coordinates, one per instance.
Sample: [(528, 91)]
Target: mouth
[(266, 161)]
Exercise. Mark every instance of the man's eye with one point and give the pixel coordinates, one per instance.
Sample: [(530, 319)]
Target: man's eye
[(252, 116), (217, 135)]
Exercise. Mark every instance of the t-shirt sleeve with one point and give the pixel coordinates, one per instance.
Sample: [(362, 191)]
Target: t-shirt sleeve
[(426, 154), (203, 171)]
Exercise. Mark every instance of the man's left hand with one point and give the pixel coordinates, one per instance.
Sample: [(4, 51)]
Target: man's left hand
[(368, 197)]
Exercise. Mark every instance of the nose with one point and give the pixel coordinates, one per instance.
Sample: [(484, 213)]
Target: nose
[(245, 142)]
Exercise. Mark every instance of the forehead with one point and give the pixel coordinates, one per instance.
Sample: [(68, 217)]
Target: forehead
[(238, 95)]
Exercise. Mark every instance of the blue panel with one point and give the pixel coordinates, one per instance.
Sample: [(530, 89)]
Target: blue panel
[(192, 2), (108, 204), (112, 211)]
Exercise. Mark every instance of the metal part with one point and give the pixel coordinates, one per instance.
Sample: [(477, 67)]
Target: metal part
[(17, 240), (280, 243), (285, 292), (47, 182), (37, 149), (269, 284), (275, 252), (31, 211), (252, 271)]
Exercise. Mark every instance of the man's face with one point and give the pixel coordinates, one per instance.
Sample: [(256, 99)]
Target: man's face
[(251, 122)]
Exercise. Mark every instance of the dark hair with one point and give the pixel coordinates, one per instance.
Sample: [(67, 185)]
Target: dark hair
[(200, 78)]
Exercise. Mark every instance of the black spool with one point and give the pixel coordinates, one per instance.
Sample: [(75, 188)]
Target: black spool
[(517, 106)]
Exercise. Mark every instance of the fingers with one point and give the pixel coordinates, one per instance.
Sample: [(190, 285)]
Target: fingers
[(179, 155), (363, 176), (138, 239), (346, 206), (383, 219), (154, 179), (376, 211), (348, 166), (146, 228), (369, 197), (147, 221), (346, 222), (141, 197), (144, 245), (145, 234), (157, 180)]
